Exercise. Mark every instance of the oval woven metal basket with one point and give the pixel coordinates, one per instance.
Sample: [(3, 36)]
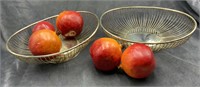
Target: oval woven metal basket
[(17, 44), (157, 27)]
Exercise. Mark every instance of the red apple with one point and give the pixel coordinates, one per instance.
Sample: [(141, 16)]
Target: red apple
[(106, 54), (138, 61), (69, 23), (43, 25), (44, 42)]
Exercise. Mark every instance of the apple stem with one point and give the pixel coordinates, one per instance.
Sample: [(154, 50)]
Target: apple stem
[(58, 32), (120, 67)]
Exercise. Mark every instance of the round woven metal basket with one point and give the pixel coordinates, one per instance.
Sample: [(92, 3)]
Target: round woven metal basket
[(17, 44), (157, 27)]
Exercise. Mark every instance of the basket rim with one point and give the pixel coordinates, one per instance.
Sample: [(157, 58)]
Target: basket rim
[(53, 54), (149, 7)]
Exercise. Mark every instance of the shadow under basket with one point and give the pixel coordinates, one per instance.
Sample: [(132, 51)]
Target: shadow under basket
[(17, 44)]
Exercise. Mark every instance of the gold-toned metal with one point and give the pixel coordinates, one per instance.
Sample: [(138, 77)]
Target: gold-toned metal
[(157, 27), (17, 43)]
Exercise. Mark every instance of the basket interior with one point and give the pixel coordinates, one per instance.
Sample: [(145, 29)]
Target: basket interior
[(149, 25)]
